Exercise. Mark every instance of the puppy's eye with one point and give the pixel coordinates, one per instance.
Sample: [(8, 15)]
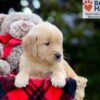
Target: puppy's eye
[(48, 43)]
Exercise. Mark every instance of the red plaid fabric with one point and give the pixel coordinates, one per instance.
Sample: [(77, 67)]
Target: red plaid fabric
[(38, 89)]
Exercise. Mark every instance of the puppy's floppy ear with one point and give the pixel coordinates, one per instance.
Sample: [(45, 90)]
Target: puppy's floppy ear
[(29, 45)]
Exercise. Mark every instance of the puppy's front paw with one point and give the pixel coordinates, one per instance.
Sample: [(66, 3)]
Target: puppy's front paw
[(58, 81), (21, 81)]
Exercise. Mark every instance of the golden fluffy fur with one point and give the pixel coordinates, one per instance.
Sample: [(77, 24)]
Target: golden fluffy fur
[(38, 60)]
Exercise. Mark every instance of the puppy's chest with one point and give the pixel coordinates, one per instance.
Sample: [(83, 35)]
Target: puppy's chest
[(40, 71)]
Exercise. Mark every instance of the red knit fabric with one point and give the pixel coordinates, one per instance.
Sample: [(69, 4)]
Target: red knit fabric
[(37, 89), (9, 42)]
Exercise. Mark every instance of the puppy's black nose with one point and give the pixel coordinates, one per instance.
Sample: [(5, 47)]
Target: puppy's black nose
[(58, 55)]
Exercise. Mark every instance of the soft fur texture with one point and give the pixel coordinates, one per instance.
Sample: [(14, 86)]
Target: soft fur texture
[(38, 59), (2, 17), (12, 17), (8, 23), (18, 25), (18, 30)]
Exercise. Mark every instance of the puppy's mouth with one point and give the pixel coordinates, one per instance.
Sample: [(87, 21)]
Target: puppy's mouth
[(57, 60)]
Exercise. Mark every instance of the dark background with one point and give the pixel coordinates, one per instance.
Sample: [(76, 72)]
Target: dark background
[(81, 36)]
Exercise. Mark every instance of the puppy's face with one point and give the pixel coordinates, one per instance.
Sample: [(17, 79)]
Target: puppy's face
[(45, 43)]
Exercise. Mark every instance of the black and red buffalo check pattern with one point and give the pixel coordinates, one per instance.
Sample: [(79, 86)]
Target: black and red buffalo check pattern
[(38, 89)]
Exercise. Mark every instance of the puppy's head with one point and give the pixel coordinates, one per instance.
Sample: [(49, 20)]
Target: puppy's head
[(44, 42)]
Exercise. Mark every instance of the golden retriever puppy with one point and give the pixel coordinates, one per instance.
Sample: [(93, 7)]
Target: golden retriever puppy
[(42, 56)]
